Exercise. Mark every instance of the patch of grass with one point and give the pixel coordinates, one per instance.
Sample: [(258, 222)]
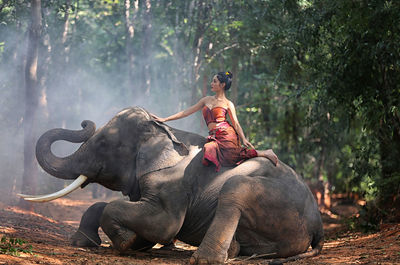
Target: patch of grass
[(14, 246)]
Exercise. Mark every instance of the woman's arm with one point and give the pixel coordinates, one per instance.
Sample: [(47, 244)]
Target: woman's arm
[(196, 107), (236, 125)]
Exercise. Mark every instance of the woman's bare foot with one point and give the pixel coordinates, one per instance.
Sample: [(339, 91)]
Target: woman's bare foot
[(269, 154)]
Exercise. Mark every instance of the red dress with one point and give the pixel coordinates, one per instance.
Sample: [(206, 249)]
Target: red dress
[(223, 146)]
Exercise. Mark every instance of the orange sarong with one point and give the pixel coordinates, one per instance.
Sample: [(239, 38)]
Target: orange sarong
[(223, 147)]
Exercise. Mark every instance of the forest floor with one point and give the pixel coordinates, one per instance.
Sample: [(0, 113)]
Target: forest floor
[(47, 231)]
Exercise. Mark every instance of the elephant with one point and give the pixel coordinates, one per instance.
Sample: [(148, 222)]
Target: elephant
[(253, 207)]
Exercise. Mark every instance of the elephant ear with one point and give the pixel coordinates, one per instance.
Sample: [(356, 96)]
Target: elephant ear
[(161, 150)]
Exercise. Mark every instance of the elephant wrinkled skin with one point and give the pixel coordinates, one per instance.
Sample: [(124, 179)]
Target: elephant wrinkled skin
[(251, 208)]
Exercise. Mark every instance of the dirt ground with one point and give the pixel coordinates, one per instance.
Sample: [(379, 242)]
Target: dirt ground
[(48, 230)]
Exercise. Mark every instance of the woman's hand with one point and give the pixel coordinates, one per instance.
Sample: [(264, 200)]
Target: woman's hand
[(155, 117), (247, 144)]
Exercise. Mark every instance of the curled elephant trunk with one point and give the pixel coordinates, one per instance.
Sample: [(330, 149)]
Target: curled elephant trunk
[(66, 167)]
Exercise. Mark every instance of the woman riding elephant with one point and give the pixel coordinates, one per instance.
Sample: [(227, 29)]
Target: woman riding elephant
[(223, 146)]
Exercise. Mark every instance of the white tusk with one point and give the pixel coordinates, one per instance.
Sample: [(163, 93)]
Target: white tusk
[(49, 197), (27, 196)]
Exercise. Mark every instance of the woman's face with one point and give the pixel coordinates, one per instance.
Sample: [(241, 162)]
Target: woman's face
[(216, 85)]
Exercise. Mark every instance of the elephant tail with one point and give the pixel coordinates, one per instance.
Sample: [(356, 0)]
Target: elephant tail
[(316, 244)]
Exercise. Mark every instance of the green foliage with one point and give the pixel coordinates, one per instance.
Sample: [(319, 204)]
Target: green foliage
[(14, 246), (342, 58), (356, 60)]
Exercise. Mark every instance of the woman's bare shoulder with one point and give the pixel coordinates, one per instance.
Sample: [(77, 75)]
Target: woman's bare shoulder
[(206, 99), (231, 105)]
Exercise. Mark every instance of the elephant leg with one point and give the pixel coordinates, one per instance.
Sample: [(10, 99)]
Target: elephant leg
[(263, 218), (88, 231), (126, 223), (217, 241), (234, 199)]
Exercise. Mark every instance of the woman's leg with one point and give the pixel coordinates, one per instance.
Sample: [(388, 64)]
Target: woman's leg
[(268, 154)]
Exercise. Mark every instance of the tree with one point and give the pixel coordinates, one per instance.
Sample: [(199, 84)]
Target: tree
[(146, 48), (352, 65), (130, 32), (31, 101)]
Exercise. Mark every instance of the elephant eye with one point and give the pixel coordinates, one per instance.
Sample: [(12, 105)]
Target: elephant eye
[(102, 144)]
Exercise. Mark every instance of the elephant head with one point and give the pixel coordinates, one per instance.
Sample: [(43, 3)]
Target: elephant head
[(130, 145)]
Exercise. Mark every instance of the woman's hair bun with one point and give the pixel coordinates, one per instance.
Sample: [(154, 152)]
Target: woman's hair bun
[(225, 77)]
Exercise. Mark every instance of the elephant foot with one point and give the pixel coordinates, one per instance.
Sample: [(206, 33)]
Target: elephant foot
[(85, 239), (234, 249), (205, 257), (124, 240), (211, 257)]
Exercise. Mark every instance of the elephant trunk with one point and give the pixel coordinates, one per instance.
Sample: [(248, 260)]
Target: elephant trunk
[(67, 167)]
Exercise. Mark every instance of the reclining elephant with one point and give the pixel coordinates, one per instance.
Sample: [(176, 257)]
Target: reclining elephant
[(251, 208)]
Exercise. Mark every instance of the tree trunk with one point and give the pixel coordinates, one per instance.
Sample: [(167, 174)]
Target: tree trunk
[(146, 48), (265, 110), (29, 180), (235, 71), (76, 17), (295, 133), (389, 143), (61, 49), (196, 67), (45, 54), (202, 13), (324, 199), (130, 32), (19, 60), (388, 134), (65, 46)]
